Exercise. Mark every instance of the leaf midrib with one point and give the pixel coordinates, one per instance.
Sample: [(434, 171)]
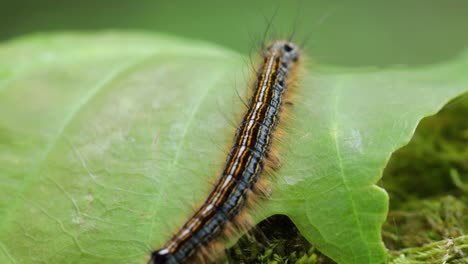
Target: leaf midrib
[(335, 128), (181, 142)]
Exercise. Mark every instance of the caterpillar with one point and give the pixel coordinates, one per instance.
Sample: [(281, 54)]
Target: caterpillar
[(246, 160)]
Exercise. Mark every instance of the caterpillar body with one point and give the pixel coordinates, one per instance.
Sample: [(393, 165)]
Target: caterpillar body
[(246, 160)]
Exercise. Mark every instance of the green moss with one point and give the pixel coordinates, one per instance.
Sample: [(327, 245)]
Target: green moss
[(423, 167), (268, 243), (426, 181)]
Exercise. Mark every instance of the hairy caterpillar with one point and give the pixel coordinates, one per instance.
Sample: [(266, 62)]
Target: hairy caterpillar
[(246, 159)]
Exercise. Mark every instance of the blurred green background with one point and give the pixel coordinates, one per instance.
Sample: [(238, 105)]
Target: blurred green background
[(347, 33)]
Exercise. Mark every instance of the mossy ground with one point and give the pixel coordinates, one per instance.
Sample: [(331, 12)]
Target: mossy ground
[(427, 181)]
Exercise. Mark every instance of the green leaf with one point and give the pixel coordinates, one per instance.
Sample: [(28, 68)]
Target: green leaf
[(108, 141)]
